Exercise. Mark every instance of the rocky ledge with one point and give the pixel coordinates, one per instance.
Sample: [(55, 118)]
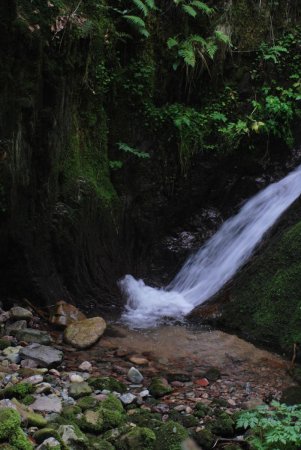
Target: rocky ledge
[(53, 399)]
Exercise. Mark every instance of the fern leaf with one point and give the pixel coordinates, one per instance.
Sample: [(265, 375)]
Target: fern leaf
[(150, 4), (126, 148), (197, 39), (222, 37), (141, 6), (202, 7), (189, 10), (172, 42), (187, 53), (211, 49), (135, 20)]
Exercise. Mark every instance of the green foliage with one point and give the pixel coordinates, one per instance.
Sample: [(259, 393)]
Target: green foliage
[(127, 149), (274, 427)]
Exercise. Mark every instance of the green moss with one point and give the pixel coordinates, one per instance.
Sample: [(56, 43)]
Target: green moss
[(144, 418), (188, 421), (223, 425), (19, 391), (87, 403), (10, 421), (265, 300), (138, 438), (109, 383), (46, 433), (170, 436), (28, 400), (100, 444), (35, 419), (201, 410), (112, 403), (205, 438), (70, 411), (158, 388), (19, 440), (92, 421), (4, 343)]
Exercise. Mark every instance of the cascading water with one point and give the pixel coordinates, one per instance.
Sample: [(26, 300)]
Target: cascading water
[(205, 272)]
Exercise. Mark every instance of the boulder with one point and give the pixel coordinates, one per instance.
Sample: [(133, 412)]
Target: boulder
[(43, 355), (65, 313), (84, 333), (135, 376), (47, 404)]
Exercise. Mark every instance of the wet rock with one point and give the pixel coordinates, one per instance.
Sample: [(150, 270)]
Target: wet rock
[(159, 387), (135, 376), (65, 314), (13, 354), (127, 399), (85, 333), (33, 336), (107, 383), (77, 390), (47, 404), (19, 313), (13, 328), (43, 355)]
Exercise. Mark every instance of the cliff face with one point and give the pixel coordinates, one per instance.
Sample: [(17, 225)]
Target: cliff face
[(104, 147)]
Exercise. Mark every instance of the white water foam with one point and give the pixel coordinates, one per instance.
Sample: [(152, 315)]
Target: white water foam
[(206, 272)]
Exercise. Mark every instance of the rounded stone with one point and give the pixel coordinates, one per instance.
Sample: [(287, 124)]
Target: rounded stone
[(84, 333)]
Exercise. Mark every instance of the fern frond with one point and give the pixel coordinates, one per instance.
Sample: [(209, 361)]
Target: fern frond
[(135, 20), (189, 10), (172, 42), (197, 39), (126, 148), (188, 54), (211, 49), (222, 37), (202, 7), (150, 4), (141, 6)]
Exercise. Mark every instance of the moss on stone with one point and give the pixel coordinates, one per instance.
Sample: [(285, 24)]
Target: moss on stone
[(205, 438), (35, 419), (170, 436), (87, 402), (145, 418), (18, 391), (45, 433), (158, 388), (28, 400), (138, 438), (223, 425), (112, 403), (201, 410), (10, 421), (108, 383), (95, 443), (19, 440), (4, 343), (188, 421), (70, 411)]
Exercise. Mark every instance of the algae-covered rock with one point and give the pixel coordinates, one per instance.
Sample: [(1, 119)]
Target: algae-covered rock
[(95, 443), (108, 383), (73, 437), (145, 418), (84, 333), (188, 421), (45, 433), (170, 436), (77, 390), (70, 411), (91, 421), (159, 387), (87, 402)]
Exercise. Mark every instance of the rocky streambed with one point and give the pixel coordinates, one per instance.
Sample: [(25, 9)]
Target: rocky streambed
[(92, 386)]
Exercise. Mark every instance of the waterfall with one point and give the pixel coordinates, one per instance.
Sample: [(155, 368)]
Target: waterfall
[(206, 271)]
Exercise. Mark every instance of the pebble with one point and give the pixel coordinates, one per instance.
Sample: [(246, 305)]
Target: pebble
[(138, 360), (134, 375), (144, 393), (85, 366), (127, 399), (74, 378), (34, 379)]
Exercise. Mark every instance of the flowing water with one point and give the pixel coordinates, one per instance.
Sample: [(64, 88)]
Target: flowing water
[(206, 272)]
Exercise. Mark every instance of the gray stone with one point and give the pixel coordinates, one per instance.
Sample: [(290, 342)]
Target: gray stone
[(13, 328), (127, 399), (70, 436), (19, 313), (43, 355), (50, 404), (48, 444), (33, 336), (13, 354), (77, 390), (134, 375)]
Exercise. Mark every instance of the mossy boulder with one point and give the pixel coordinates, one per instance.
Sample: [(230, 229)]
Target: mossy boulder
[(19, 440), (70, 411), (95, 443), (159, 387), (201, 410), (28, 400), (108, 383), (4, 343), (171, 436), (145, 418), (45, 433), (78, 390), (188, 421), (87, 402)]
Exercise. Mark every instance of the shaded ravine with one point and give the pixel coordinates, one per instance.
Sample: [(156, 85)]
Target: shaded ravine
[(206, 272)]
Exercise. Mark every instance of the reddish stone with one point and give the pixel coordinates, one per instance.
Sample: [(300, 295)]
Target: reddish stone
[(202, 382)]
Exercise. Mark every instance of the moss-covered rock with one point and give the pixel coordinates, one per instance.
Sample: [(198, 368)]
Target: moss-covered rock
[(170, 436), (87, 402), (95, 443), (45, 433), (205, 438), (10, 420), (188, 421), (19, 390), (4, 343), (159, 387), (223, 425), (201, 410), (70, 411), (145, 418), (108, 383), (138, 438), (265, 299), (28, 400), (19, 440)]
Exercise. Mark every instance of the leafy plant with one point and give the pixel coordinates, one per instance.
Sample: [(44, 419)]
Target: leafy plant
[(275, 427)]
